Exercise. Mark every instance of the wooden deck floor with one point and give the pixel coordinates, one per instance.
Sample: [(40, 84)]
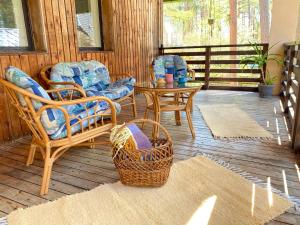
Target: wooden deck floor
[(84, 169)]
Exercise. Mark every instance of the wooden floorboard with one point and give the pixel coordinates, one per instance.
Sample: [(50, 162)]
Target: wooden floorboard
[(83, 169)]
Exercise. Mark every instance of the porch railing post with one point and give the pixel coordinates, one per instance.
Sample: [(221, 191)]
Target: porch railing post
[(207, 67), (265, 50), (294, 68), (161, 49)]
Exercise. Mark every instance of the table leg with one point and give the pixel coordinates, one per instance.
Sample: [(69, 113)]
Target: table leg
[(188, 109), (189, 118), (156, 109), (177, 113)]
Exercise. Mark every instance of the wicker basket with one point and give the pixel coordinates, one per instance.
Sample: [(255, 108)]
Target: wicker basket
[(152, 168)]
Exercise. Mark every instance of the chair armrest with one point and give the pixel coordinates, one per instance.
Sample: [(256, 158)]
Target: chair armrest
[(65, 83), (96, 115), (71, 93), (115, 77), (192, 73)]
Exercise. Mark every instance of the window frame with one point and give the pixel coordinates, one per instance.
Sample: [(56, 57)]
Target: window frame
[(85, 49), (29, 33)]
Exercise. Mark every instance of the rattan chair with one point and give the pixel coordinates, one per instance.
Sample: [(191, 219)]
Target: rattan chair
[(51, 150), (129, 99), (191, 74)]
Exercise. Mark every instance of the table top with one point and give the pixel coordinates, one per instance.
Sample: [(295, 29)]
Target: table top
[(153, 85)]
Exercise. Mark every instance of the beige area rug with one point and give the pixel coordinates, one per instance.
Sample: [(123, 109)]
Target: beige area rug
[(198, 192), (228, 121)]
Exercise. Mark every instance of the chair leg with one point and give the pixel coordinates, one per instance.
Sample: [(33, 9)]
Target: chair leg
[(189, 118), (92, 145), (31, 154), (146, 114), (47, 172), (156, 128), (134, 106)]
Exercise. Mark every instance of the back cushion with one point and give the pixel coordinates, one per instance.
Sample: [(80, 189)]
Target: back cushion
[(51, 118), (172, 64), (163, 65), (169, 64), (22, 80), (85, 73), (180, 66), (159, 67)]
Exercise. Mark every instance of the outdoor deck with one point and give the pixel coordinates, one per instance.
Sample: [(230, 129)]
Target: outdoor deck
[(84, 169)]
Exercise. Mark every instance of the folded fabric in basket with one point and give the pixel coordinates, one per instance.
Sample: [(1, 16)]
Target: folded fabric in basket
[(131, 138), (140, 139)]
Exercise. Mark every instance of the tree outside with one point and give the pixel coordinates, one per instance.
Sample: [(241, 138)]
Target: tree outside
[(215, 22)]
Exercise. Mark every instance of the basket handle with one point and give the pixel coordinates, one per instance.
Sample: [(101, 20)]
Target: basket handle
[(166, 133)]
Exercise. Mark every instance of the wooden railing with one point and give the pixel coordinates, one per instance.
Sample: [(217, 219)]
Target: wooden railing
[(290, 94), (212, 62)]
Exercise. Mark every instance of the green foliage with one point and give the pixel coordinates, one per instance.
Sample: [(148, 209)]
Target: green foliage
[(7, 16), (189, 18), (260, 60)]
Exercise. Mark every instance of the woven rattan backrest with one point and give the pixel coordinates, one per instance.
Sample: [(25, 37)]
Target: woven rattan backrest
[(25, 111)]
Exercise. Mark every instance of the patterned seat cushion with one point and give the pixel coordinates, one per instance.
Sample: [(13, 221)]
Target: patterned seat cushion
[(52, 119), (79, 112), (114, 91), (94, 77), (169, 64)]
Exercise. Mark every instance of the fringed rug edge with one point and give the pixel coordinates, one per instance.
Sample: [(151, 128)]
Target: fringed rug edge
[(251, 178)]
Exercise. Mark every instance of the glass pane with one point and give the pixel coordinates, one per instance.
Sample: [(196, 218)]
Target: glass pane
[(12, 24), (88, 23)]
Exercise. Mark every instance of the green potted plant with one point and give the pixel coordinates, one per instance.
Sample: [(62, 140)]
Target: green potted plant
[(259, 61)]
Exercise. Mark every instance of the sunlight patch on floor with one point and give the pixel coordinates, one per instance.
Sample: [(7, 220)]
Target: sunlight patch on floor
[(287, 128), (279, 140), (277, 126), (281, 106), (298, 171), (270, 193), (253, 200), (203, 213), (285, 183)]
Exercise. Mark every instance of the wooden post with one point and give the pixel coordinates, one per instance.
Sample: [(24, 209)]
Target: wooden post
[(294, 52), (207, 67), (265, 50), (290, 66), (161, 49)]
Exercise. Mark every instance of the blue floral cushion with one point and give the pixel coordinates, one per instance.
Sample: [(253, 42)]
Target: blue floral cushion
[(52, 119), (114, 91), (22, 80), (93, 77), (79, 112), (85, 73), (172, 64)]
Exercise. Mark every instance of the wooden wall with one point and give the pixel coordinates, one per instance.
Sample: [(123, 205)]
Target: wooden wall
[(135, 39)]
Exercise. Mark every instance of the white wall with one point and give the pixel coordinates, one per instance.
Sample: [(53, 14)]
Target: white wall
[(284, 28)]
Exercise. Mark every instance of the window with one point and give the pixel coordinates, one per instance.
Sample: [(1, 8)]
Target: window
[(89, 25), (15, 32)]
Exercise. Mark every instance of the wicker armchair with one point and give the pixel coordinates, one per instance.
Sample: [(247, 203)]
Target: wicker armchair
[(127, 100), (78, 130), (166, 64), (171, 64)]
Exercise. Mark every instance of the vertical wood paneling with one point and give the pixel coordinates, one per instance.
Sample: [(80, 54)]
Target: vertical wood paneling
[(136, 37)]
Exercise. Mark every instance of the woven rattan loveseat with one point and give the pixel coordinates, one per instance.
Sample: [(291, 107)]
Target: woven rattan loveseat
[(57, 125), (93, 78)]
